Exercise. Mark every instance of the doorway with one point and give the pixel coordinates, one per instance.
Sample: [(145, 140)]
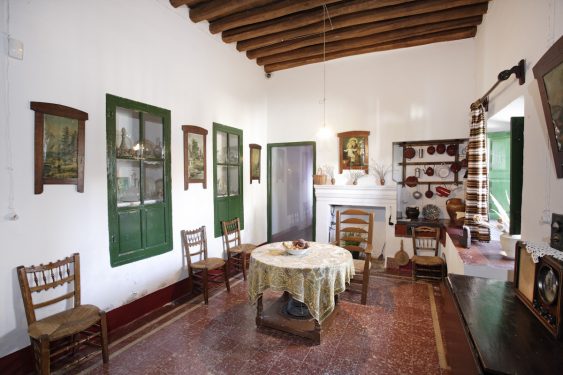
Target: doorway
[(291, 204)]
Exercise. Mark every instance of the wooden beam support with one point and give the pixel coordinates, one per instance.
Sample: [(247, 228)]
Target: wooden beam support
[(443, 36), (265, 13), (218, 8), (370, 29), (189, 3), (370, 40), (387, 13), (304, 18)]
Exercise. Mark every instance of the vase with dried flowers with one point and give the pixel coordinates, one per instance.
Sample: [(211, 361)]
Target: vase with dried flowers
[(329, 171), (355, 174), (379, 170)]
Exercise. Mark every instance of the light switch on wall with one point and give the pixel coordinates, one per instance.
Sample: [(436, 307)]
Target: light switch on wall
[(15, 48)]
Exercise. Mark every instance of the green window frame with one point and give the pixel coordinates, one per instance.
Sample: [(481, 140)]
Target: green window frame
[(227, 175), (139, 180)]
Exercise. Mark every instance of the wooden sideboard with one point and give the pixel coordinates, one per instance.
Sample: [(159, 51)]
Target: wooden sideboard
[(505, 337)]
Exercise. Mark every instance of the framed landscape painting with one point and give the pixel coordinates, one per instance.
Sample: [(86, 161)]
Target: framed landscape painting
[(195, 169), (59, 145), (353, 150)]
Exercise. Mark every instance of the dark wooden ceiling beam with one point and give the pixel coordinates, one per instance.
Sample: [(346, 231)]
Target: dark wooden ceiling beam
[(304, 18), (265, 13), (370, 29), (220, 8), (444, 36), (189, 3), (370, 40), (387, 13)]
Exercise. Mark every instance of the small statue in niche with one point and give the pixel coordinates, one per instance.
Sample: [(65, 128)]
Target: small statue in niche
[(123, 149), (157, 151)]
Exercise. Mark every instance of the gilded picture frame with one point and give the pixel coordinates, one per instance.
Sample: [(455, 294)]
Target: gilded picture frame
[(548, 71), (353, 150), (255, 165), (59, 145)]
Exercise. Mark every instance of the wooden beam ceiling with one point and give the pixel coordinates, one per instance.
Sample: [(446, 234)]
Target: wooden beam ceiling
[(281, 34)]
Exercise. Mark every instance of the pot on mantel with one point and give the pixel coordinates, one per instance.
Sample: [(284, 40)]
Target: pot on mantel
[(453, 206)]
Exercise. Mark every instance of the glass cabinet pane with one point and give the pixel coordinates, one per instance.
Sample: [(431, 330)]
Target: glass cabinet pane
[(127, 133), (127, 182), (233, 180), (154, 182), (222, 181), (153, 148), (233, 149), (221, 147)]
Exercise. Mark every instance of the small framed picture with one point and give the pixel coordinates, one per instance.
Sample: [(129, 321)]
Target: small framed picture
[(59, 145), (195, 151), (255, 151), (353, 150)]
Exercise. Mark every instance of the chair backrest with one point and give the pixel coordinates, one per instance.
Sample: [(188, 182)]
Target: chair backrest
[(425, 239), (354, 229), (194, 243), (37, 279), (231, 233)]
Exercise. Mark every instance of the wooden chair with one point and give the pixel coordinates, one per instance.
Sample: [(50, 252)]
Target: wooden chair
[(194, 243), (60, 335), (427, 239), (354, 232), (238, 254)]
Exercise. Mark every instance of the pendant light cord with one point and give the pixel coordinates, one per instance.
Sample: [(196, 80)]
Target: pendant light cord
[(325, 16)]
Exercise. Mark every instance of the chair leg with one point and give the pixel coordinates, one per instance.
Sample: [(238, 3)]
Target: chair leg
[(44, 355), (243, 256), (205, 287), (104, 337), (414, 272), (365, 290), (226, 272)]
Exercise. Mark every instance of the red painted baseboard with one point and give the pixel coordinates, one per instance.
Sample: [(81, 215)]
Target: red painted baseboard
[(21, 362)]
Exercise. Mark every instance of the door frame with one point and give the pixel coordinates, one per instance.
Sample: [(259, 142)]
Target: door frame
[(269, 182)]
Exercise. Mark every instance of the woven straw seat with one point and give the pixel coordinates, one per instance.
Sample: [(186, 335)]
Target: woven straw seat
[(65, 323), (359, 265), (209, 263), (243, 248), (194, 243), (428, 261), (64, 331), (238, 253)]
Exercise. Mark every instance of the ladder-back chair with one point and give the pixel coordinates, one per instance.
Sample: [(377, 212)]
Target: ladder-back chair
[(427, 240), (59, 336), (238, 253), (354, 232), (194, 243)]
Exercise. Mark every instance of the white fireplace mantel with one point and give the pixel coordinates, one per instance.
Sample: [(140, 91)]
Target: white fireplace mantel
[(353, 195)]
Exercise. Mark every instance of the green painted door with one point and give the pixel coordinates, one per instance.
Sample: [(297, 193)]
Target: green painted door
[(499, 172)]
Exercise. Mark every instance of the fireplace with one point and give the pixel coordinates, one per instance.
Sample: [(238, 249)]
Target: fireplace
[(382, 198)]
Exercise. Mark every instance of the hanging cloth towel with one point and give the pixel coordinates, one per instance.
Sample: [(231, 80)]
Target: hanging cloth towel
[(477, 189)]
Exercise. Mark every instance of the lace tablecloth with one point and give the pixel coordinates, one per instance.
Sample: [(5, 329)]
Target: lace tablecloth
[(539, 249), (313, 278)]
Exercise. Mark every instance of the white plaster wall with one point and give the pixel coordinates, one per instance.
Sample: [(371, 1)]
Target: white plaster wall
[(411, 94), (75, 53), (514, 30)]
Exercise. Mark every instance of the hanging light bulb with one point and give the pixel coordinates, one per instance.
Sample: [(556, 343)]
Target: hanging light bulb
[(324, 131)]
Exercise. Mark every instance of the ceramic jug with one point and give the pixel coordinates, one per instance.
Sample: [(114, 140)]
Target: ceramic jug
[(453, 206)]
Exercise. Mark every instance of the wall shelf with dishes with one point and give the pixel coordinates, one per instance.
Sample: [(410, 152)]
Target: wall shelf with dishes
[(431, 162)]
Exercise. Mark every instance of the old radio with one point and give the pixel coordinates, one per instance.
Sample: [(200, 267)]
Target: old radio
[(539, 286)]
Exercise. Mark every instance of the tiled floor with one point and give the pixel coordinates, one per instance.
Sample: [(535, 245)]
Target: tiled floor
[(398, 332)]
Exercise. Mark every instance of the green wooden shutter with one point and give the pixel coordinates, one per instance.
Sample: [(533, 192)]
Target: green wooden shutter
[(227, 175)]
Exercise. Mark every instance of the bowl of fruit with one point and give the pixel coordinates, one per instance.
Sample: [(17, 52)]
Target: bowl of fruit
[(297, 247)]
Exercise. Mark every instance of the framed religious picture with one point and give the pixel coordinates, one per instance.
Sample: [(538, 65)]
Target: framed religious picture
[(353, 150), (549, 73), (59, 145), (255, 162), (195, 166)]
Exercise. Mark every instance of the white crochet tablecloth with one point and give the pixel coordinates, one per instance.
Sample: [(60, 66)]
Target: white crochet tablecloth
[(539, 249)]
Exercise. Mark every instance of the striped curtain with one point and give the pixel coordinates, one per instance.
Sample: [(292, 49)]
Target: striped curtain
[(477, 184)]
